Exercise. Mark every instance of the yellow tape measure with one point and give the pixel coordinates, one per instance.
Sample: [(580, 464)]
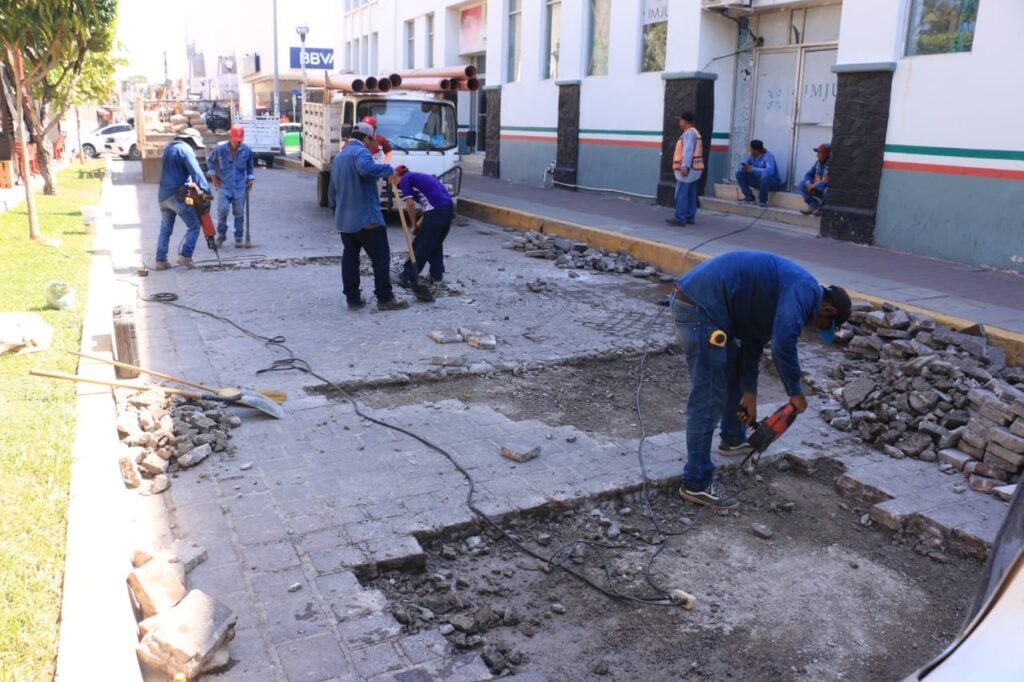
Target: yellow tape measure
[(719, 338)]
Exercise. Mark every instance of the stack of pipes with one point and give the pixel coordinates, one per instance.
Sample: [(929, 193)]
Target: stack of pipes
[(428, 80)]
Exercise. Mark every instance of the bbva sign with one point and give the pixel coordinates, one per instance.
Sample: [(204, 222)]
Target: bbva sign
[(316, 57)]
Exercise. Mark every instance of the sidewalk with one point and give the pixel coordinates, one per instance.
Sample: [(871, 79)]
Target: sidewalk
[(941, 288)]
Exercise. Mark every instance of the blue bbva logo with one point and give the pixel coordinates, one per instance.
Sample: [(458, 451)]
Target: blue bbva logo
[(316, 57)]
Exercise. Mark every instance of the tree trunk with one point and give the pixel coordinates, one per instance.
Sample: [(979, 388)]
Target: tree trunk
[(26, 174), (43, 155)]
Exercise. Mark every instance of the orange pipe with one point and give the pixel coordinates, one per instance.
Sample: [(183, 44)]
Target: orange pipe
[(468, 71), (435, 84), (345, 83), (468, 84), (395, 79)]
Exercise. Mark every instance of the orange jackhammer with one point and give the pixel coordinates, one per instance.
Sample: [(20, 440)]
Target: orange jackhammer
[(202, 202)]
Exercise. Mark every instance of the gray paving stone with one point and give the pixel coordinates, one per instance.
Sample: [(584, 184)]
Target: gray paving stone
[(216, 580), (424, 646), (291, 619), (255, 530), (272, 556), (313, 659), (337, 558), (371, 629), (250, 656), (376, 659)]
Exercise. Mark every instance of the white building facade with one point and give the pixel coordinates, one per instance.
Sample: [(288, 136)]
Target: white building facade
[(925, 157)]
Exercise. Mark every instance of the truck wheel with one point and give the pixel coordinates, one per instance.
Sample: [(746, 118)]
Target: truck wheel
[(269, 161), (323, 181)]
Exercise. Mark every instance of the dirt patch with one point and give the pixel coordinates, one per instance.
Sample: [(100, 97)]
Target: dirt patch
[(594, 396), (824, 598)]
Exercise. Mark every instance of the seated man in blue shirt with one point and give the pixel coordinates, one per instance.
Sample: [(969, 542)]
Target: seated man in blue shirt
[(815, 184), (432, 228), (725, 310), (759, 170), (179, 167)]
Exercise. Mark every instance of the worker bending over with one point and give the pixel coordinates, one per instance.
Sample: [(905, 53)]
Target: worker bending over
[(431, 229)]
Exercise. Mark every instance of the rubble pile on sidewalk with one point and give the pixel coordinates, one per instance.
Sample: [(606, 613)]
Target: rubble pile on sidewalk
[(162, 434), (571, 255), (914, 388), (182, 631)]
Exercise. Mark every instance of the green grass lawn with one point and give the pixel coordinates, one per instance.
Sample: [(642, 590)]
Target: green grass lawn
[(37, 425)]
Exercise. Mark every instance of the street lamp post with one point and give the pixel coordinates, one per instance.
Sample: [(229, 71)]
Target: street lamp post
[(277, 84), (302, 30)]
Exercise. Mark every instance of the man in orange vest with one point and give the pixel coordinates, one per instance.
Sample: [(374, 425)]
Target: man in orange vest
[(688, 167)]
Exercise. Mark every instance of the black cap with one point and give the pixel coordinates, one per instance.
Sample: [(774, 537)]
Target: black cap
[(757, 144), (840, 300), (688, 116)]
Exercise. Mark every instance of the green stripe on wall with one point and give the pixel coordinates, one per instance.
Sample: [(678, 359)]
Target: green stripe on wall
[(600, 131), (533, 129), (719, 136), (1000, 154)]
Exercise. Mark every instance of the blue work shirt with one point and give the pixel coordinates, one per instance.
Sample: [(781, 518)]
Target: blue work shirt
[(818, 175), (178, 167), (234, 173), (764, 166), (352, 194), (756, 297), (425, 189)]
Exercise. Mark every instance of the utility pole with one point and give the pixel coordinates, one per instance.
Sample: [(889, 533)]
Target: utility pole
[(277, 84)]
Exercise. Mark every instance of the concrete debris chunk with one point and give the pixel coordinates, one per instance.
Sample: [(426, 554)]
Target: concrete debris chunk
[(129, 474), (519, 453), (448, 360), (762, 531), (483, 341), (1005, 492), (157, 585), (158, 484), (194, 456), (445, 336), (191, 638), (188, 554), (152, 464)]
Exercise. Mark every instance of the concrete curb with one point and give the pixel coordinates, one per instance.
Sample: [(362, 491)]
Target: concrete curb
[(676, 260), (97, 629)]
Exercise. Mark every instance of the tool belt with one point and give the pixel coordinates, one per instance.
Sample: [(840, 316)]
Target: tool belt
[(682, 297)]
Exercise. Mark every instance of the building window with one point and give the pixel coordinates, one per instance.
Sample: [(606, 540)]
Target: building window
[(410, 44), (430, 41), (358, 68), (938, 26), (374, 50), (348, 55), (554, 24), (515, 19), (655, 34), (600, 26)]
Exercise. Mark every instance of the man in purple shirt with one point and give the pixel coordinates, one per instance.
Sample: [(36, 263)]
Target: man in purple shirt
[(432, 228)]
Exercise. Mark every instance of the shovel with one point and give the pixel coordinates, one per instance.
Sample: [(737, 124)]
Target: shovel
[(248, 241), (420, 291), (277, 396), (260, 402)]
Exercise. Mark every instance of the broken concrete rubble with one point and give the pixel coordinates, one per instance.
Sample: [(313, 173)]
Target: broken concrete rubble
[(157, 585), (579, 256), (190, 638)]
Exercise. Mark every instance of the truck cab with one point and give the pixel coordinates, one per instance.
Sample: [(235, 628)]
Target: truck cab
[(420, 127)]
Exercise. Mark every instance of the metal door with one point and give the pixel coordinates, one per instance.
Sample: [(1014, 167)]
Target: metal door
[(775, 105), (478, 104), (817, 106)]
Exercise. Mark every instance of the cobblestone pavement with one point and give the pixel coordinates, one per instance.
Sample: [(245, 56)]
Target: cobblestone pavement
[(317, 498)]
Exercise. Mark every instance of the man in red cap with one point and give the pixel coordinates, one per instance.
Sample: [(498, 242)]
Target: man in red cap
[(815, 184), (378, 145), (231, 170)]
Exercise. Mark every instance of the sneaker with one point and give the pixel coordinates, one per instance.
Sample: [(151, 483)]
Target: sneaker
[(709, 497), (733, 450), (238, 243), (187, 262), (807, 211), (748, 200), (221, 238), (393, 304), (673, 221), (357, 305), (764, 204), (162, 265)]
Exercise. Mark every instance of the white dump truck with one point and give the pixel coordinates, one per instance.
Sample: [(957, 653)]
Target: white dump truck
[(420, 126), (263, 135)]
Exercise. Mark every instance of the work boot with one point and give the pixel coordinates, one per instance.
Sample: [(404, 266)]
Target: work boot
[(393, 304), (238, 243), (187, 262), (221, 238), (731, 450), (162, 265), (357, 305), (807, 211), (708, 497)]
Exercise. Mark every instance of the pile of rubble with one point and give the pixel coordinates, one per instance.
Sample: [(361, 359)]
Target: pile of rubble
[(572, 255), (914, 388), (161, 434), (182, 631)]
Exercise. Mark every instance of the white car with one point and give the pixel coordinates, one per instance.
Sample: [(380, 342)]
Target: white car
[(118, 138)]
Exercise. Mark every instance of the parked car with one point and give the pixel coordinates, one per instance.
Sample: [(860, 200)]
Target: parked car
[(291, 135), (103, 139), (126, 147)]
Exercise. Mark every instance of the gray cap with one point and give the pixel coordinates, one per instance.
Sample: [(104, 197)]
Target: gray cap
[(364, 128), (191, 135)]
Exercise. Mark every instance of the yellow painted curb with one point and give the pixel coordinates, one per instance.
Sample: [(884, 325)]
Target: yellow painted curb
[(676, 260)]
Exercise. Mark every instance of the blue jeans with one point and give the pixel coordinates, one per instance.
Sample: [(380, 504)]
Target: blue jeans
[(237, 206), (373, 240), (428, 244), (170, 208), (686, 200), (813, 200), (748, 180), (714, 392)]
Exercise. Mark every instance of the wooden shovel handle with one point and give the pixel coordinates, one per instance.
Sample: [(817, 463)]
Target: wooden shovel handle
[(150, 372), (405, 229), (115, 384)]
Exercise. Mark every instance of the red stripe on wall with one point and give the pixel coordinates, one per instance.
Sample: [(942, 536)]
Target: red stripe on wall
[(531, 138), (719, 147), (955, 170)]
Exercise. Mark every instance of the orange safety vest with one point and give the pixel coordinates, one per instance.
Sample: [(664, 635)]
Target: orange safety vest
[(698, 152)]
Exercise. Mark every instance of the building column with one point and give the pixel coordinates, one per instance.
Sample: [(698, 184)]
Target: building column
[(568, 152), (685, 91), (492, 136), (858, 146)]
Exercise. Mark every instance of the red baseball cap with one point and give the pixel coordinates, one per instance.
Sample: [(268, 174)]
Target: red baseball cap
[(237, 133)]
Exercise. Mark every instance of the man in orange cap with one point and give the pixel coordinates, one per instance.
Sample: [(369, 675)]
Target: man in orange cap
[(378, 145), (231, 170)]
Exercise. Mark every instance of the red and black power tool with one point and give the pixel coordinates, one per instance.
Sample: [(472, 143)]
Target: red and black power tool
[(770, 428), (202, 202)]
